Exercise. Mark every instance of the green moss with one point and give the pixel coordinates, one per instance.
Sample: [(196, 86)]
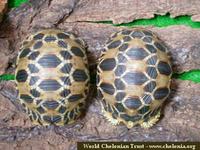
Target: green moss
[(192, 75), (158, 21), (7, 77), (15, 3)]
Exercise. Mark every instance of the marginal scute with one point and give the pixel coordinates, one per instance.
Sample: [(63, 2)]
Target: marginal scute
[(160, 46), (50, 38), (21, 76), (161, 93), (164, 68), (26, 98), (62, 36), (77, 51), (24, 52), (38, 36)]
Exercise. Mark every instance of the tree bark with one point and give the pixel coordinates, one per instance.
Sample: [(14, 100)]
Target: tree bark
[(181, 115)]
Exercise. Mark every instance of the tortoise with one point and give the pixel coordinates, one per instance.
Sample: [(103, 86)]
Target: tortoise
[(133, 77), (52, 77)]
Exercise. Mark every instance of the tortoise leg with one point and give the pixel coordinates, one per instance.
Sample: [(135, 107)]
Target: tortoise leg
[(151, 121), (110, 118)]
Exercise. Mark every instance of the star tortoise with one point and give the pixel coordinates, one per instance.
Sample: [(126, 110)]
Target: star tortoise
[(133, 77), (52, 77)]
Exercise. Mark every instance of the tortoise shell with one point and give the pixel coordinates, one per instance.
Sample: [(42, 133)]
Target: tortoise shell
[(52, 77), (133, 77)]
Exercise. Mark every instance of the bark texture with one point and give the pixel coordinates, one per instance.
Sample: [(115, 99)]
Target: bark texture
[(3, 5), (181, 115)]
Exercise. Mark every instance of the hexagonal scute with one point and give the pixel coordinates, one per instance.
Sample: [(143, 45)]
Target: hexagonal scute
[(120, 96), (152, 60), (120, 70), (135, 78), (164, 68), (34, 55), (38, 45), (152, 72), (80, 75), (33, 80), (107, 88), (49, 85), (33, 68), (49, 61), (150, 86), (50, 104), (133, 102), (119, 84), (123, 47), (151, 48), (65, 54), (65, 93), (35, 93), (114, 44), (137, 53), (107, 64), (66, 68), (147, 98), (121, 58)]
